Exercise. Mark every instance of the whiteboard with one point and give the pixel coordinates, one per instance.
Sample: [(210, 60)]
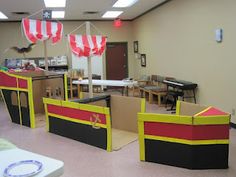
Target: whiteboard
[(81, 63)]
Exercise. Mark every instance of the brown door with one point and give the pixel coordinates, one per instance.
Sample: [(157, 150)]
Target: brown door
[(116, 61)]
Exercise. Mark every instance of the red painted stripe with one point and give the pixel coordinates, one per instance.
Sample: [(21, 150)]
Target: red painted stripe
[(30, 36), (39, 34), (75, 50), (189, 132), (58, 33), (75, 113), (23, 83), (95, 49), (49, 29), (7, 81), (103, 45), (87, 48), (213, 112)]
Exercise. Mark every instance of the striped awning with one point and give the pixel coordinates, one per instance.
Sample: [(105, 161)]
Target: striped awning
[(87, 45), (42, 30)]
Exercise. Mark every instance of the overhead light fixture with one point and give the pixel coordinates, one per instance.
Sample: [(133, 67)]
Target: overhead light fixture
[(58, 14), (3, 16), (55, 3), (124, 3), (112, 14)]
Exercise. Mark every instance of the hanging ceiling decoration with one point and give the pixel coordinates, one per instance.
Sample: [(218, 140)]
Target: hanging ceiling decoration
[(87, 45), (42, 30)]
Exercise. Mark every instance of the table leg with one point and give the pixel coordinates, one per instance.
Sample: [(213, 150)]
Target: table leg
[(150, 97), (78, 87), (194, 97), (141, 93), (159, 99), (71, 89)]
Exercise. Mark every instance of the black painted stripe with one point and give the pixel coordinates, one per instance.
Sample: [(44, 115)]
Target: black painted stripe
[(80, 132), (187, 156), (13, 109), (25, 112)]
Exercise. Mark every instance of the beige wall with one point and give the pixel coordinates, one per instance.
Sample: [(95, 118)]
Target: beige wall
[(10, 35), (178, 39)]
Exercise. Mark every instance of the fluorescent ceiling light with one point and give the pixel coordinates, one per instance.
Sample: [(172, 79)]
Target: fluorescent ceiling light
[(3, 16), (112, 14), (58, 14), (124, 3), (55, 3)]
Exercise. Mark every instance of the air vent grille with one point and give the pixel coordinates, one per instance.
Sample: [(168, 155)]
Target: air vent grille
[(20, 13), (90, 12)]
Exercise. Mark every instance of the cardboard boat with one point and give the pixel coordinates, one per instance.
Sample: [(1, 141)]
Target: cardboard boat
[(196, 137)]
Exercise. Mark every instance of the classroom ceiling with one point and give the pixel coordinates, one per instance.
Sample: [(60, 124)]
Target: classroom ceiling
[(75, 9)]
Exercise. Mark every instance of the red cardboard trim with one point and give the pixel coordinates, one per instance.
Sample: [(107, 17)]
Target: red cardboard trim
[(189, 132), (75, 113), (7, 81), (23, 83), (213, 112)]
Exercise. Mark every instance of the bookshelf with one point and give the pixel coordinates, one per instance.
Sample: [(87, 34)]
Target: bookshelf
[(59, 63)]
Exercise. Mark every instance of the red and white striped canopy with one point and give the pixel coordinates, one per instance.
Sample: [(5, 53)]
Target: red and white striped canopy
[(87, 45), (42, 30)]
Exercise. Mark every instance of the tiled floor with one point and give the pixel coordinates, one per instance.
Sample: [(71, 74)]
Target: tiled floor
[(82, 160)]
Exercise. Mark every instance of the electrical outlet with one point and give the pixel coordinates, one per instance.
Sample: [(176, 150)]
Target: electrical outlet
[(233, 112)]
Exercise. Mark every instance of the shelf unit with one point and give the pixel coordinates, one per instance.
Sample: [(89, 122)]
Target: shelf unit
[(59, 63)]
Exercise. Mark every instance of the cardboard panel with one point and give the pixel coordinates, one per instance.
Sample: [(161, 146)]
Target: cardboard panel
[(14, 98), (124, 112), (40, 87), (57, 87), (40, 120), (23, 99), (190, 109), (38, 93)]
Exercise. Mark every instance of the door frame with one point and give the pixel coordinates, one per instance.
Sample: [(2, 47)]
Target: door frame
[(126, 57)]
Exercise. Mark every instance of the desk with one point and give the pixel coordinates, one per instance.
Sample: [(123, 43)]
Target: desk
[(51, 167), (182, 86), (115, 83)]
